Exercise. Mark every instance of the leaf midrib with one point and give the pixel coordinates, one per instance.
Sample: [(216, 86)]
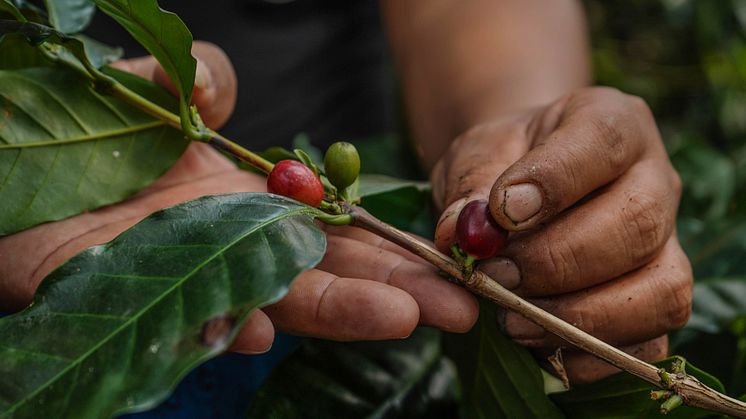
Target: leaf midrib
[(79, 360), (89, 137)]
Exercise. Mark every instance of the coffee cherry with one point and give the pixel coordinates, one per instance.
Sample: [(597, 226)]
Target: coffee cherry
[(295, 180), (342, 164), (477, 232)]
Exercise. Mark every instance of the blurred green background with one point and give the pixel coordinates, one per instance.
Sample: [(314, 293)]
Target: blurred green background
[(687, 59)]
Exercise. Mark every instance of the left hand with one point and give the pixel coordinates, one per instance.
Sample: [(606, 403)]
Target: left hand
[(587, 190)]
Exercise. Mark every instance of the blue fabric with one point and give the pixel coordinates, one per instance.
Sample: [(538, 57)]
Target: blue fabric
[(222, 387)]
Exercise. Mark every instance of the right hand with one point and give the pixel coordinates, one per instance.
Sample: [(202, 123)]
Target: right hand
[(365, 288)]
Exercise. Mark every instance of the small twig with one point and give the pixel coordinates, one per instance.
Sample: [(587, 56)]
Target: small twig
[(691, 391)]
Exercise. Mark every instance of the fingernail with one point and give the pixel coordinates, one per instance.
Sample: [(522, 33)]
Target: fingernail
[(453, 209), (445, 230), (521, 202), (253, 351), (203, 77), (519, 328), (502, 270)]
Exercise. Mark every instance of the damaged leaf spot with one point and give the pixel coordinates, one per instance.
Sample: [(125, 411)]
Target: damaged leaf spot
[(216, 330)]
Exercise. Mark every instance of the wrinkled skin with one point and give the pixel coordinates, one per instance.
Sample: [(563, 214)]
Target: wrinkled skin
[(364, 289), (589, 194), (593, 240)]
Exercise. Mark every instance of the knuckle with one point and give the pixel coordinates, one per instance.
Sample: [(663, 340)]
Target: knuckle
[(677, 185), (642, 225), (680, 289), (562, 266), (611, 140)]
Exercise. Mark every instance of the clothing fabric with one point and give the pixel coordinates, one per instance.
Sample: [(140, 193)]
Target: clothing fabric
[(315, 66)]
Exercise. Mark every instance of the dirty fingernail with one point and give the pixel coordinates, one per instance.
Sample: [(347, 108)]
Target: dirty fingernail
[(445, 230), (453, 210), (521, 329), (521, 202), (502, 270), (203, 77)]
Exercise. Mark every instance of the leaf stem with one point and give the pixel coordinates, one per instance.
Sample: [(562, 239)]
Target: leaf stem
[(215, 139), (691, 391), (110, 86)]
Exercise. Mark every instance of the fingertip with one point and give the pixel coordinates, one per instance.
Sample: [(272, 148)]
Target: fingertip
[(518, 206), (459, 316), (445, 230), (256, 335)]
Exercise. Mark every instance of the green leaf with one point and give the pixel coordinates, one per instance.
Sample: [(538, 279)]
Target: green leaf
[(65, 148), (70, 16), (7, 6), (392, 379), (99, 53), (117, 326), (58, 47), (165, 36), (626, 396), (500, 379), (717, 304), (17, 53), (379, 184), (402, 203)]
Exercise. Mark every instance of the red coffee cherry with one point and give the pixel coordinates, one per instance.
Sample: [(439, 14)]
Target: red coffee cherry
[(295, 180), (477, 232)]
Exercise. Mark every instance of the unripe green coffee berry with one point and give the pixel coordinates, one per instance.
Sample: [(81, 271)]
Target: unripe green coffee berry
[(342, 164)]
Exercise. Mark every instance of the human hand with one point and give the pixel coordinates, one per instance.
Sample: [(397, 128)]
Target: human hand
[(587, 190), (365, 288)]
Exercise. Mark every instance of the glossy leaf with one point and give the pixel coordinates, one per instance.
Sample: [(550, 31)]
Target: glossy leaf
[(392, 379), (164, 35), (114, 328), (500, 379), (70, 16), (625, 396), (65, 148)]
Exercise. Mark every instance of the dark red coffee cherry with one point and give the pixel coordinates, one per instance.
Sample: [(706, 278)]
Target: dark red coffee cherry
[(477, 232), (295, 180)]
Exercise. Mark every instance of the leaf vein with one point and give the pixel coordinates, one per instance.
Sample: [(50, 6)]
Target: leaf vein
[(145, 309)]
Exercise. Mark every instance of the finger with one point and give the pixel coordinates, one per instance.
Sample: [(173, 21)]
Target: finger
[(42, 248), (327, 306), (442, 304), (618, 230), (584, 368), (467, 172), (649, 302), (140, 66), (601, 133), (374, 240), (214, 84), (256, 335)]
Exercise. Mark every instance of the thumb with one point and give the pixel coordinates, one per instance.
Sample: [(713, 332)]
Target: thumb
[(468, 170), (215, 83)]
